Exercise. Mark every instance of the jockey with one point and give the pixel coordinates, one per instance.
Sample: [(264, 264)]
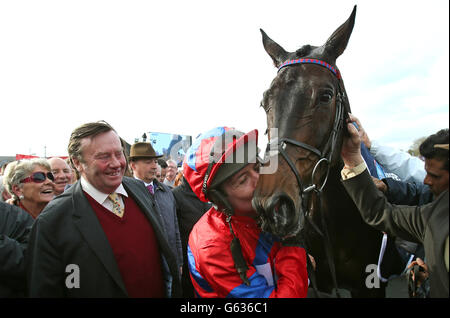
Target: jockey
[(228, 254)]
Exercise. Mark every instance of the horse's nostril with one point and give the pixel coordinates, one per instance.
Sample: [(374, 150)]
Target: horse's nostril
[(281, 212), (285, 209), (257, 205)]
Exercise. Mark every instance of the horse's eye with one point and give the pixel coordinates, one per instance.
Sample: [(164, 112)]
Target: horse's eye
[(326, 97)]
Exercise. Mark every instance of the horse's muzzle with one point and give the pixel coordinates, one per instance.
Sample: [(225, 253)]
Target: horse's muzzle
[(278, 215)]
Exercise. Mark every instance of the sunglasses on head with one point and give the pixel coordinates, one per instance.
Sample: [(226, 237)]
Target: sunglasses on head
[(39, 177)]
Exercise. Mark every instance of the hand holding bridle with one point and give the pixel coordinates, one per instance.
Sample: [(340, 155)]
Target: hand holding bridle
[(364, 137), (351, 146)]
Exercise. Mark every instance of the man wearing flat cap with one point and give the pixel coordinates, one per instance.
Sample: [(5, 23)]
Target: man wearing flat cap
[(143, 163)]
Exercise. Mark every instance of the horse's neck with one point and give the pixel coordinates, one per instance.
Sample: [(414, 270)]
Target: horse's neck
[(336, 195)]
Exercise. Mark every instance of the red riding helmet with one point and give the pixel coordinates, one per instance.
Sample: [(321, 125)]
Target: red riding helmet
[(216, 155)]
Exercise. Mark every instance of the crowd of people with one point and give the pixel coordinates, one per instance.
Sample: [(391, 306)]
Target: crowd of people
[(104, 223)]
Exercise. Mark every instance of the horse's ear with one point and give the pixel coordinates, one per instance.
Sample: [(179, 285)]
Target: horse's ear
[(337, 42), (276, 52)]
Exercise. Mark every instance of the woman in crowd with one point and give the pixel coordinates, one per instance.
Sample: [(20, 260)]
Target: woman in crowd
[(30, 184)]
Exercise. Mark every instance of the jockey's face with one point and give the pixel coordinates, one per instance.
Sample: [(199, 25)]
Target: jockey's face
[(240, 187)]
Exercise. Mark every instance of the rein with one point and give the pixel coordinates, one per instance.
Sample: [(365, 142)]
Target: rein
[(325, 157)]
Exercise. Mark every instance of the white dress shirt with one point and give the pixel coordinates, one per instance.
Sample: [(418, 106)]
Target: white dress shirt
[(101, 197), (146, 184)]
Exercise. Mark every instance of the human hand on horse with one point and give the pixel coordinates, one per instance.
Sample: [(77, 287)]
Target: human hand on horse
[(417, 276), (423, 273), (351, 146), (364, 137)]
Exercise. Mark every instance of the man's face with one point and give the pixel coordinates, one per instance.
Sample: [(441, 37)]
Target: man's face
[(240, 188), (163, 174), (145, 169), (103, 161), (437, 176), (172, 170), (62, 173)]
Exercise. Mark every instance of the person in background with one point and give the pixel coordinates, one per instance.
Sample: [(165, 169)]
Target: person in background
[(189, 210), (162, 163), (143, 163), (62, 172), (427, 224), (4, 194), (15, 226), (30, 183), (178, 179), (158, 173), (172, 170), (75, 174), (102, 237), (3, 168), (408, 168)]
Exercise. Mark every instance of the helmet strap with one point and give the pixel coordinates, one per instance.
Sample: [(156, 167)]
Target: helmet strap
[(236, 251)]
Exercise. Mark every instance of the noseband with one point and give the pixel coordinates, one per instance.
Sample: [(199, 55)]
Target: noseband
[(325, 157)]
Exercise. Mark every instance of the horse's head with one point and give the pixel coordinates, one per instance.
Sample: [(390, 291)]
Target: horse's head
[(306, 103)]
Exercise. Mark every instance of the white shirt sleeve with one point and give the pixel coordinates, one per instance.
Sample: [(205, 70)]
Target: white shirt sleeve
[(408, 168)]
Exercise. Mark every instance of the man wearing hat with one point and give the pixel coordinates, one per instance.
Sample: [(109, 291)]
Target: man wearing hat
[(143, 163)]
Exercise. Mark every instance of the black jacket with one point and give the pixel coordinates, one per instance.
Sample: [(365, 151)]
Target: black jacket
[(68, 232), (189, 210), (407, 193), (15, 227)]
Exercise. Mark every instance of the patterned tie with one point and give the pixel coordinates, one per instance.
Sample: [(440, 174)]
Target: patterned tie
[(117, 208), (150, 188)]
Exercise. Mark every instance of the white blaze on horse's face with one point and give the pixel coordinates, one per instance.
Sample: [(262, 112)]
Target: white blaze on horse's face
[(304, 106)]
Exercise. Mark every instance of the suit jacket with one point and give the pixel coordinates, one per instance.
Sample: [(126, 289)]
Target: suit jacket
[(427, 224), (67, 239)]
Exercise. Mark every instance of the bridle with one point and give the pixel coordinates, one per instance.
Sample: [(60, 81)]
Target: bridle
[(325, 156)]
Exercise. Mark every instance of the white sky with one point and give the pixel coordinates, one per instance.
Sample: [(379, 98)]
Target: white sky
[(188, 66)]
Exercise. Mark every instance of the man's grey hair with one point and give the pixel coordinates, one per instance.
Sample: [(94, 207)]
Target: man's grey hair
[(172, 161)]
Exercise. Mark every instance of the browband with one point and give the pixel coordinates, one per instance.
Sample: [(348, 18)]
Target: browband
[(334, 70)]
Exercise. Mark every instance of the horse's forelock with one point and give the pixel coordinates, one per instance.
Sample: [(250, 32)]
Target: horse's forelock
[(303, 51)]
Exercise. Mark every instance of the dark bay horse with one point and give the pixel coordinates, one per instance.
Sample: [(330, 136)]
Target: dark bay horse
[(308, 105)]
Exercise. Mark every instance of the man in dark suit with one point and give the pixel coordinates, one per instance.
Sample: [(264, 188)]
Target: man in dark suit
[(102, 237), (143, 163)]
